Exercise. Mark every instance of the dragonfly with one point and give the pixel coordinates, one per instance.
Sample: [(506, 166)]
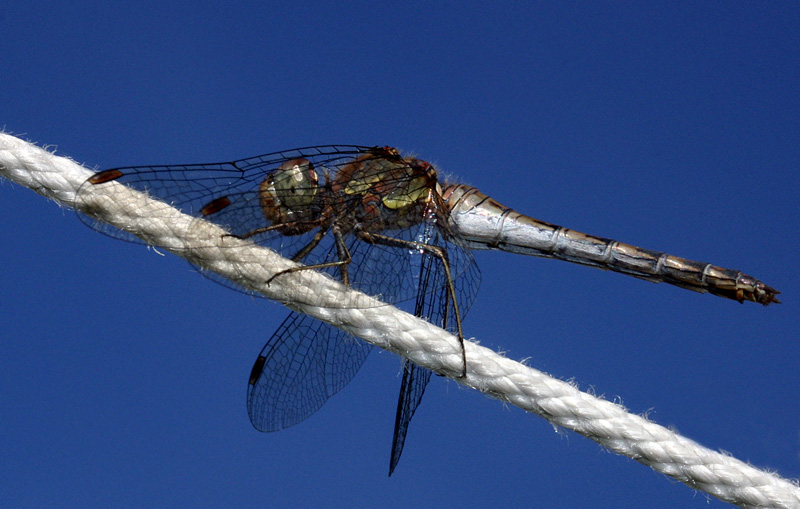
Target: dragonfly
[(384, 224)]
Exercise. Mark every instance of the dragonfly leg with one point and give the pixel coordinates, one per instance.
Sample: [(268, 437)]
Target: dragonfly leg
[(441, 254), (342, 263), (291, 226), (310, 246)]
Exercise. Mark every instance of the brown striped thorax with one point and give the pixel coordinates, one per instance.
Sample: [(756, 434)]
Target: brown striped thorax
[(390, 192)]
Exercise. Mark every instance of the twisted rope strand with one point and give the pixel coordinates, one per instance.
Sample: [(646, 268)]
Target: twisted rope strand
[(609, 424)]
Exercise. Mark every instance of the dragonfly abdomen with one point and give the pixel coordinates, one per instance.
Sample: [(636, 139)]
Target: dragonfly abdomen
[(486, 224)]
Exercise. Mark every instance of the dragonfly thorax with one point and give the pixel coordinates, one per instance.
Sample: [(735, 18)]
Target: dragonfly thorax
[(384, 191)]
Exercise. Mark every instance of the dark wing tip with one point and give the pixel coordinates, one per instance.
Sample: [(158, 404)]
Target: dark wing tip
[(105, 176)]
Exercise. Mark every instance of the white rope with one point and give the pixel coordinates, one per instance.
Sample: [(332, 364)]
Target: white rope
[(609, 424)]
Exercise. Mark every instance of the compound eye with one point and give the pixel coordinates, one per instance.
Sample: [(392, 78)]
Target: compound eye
[(294, 184)]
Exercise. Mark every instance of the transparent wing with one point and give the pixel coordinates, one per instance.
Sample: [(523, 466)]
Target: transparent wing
[(436, 306), (398, 273), (415, 379), (191, 187), (302, 365), (231, 195), (307, 361), (365, 216)]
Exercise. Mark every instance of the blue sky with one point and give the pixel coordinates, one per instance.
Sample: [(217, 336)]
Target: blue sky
[(123, 374)]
